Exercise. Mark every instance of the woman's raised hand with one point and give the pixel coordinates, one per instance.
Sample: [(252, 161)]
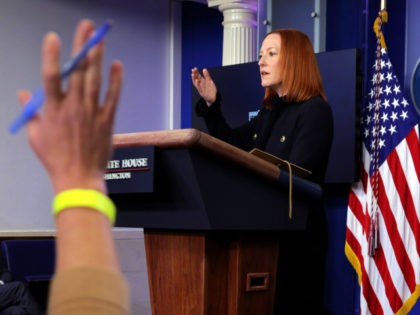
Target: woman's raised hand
[(204, 85)]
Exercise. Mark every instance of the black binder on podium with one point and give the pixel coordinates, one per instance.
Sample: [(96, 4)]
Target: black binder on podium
[(211, 215)]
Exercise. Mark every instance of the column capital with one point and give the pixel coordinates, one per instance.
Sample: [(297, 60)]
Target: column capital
[(249, 4), (239, 29)]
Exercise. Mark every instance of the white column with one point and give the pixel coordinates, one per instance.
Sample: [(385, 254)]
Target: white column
[(239, 30)]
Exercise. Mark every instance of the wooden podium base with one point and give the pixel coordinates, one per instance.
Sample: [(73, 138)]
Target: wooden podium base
[(208, 273)]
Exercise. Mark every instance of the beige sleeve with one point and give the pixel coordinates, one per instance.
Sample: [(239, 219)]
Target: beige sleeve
[(87, 290)]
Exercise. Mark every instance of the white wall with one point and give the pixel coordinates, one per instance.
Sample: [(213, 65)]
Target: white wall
[(140, 38)]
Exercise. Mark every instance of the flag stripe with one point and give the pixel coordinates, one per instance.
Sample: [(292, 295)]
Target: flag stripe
[(414, 147), (356, 257), (397, 279), (404, 230), (396, 240), (357, 208), (374, 305), (391, 292), (411, 165), (401, 185)]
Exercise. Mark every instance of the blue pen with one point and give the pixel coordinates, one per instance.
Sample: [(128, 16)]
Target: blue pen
[(38, 96)]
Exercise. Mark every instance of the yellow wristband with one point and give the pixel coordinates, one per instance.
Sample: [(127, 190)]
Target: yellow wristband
[(84, 198)]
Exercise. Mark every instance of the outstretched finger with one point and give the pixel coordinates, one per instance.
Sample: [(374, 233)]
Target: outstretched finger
[(206, 75), (51, 68), (93, 76), (114, 90), (23, 97), (195, 74), (76, 81)]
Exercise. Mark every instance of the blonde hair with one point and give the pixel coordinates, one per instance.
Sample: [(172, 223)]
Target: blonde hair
[(299, 68)]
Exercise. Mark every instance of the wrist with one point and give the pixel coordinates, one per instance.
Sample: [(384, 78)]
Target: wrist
[(211, 101), (65, 183)]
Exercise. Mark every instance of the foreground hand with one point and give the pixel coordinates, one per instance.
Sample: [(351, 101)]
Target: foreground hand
[(73, 135), (204, 85)]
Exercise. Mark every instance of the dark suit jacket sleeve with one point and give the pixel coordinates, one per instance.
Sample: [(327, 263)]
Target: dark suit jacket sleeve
[(218, 127)]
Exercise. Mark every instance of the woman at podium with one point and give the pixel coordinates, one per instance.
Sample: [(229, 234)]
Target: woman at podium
[(295, 123)]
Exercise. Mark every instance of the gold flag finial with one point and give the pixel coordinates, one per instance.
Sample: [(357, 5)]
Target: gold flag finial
[(377, 26)]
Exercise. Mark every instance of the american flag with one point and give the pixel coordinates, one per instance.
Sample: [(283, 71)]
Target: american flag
[(383, 214)]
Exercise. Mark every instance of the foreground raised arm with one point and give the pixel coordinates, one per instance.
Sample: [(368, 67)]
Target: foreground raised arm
[(72, 139)]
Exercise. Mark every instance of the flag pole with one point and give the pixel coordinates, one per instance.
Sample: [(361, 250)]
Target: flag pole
[(383, 5), (377, 25)]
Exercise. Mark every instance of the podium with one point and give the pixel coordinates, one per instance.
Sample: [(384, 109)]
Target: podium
[(212, 216)]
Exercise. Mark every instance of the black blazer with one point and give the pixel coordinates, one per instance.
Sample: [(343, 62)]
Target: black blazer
[(298, 132)]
